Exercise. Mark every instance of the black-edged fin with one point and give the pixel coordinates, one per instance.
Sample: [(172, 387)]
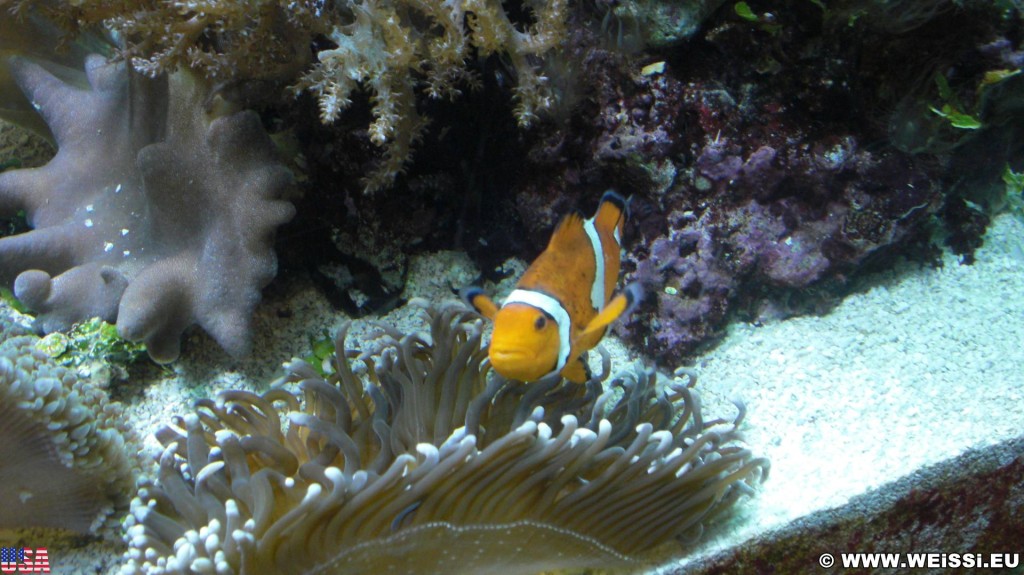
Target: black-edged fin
[(569, 231), (480, 301), (577, 371), (614, 205), (611, 212), (617, 200), (621, 305), (585, 360)]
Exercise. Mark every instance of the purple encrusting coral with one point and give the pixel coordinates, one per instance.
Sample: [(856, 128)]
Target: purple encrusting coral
[(783, 212), (701, 265), (156, 212)]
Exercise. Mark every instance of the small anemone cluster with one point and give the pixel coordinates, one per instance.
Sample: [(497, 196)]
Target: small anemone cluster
[(67, 457), (421, 459)]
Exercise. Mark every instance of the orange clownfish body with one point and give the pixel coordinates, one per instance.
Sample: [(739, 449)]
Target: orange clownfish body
[(563, 304)]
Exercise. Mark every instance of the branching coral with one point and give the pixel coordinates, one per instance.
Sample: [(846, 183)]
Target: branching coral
[(230, 41), (68, 456), (391, 47), (155, 212), (421, 459)]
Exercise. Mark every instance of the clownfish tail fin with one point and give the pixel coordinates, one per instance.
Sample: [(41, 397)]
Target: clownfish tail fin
[(615, 198), (620, 306), (612, 211), (480, 301)]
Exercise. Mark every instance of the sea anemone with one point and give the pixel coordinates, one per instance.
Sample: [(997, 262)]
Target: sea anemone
[(67, 459), (421, 459)]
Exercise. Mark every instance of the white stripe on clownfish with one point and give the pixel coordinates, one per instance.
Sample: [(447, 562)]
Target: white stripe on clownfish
[(596, 288), (553, 308)]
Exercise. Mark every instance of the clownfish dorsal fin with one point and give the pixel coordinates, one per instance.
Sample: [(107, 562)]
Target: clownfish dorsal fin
[(621, 305), (569, 232)]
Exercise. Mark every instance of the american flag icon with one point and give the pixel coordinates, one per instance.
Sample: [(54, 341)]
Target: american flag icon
[(20, 560), (12, 555)]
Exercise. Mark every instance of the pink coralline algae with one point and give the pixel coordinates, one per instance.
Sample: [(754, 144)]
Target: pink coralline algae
[(157, 211)]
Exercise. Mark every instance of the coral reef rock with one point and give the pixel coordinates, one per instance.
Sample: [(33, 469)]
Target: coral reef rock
[(156, 212), (68, 458), (420, 459), (759, 160)]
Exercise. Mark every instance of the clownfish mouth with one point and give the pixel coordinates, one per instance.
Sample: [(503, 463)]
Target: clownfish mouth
[(516, 364), (510, 357)]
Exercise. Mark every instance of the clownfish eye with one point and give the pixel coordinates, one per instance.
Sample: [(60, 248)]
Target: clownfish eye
[(540, 323)]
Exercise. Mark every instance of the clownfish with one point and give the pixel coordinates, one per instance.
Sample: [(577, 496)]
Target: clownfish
[(562, 306)]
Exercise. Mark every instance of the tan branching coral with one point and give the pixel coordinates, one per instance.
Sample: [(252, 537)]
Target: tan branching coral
[(420, 459), (391, 47), (227, 41), (68, 458)]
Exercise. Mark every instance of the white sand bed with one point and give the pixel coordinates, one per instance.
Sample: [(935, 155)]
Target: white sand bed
[(920, 368)]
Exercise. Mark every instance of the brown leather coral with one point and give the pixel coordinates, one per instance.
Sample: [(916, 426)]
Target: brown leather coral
[(422, 460), (156, 212)]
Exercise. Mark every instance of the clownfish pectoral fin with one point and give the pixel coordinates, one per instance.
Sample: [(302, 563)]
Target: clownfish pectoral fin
[(577, 371), (483, 304), (620, 305)]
